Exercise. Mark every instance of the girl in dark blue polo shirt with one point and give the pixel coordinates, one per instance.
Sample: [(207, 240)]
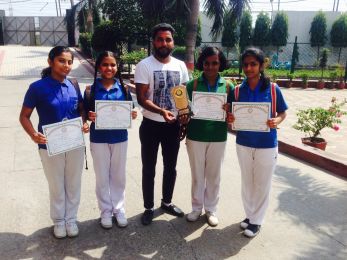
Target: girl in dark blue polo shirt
[(257, 151), (108, 147), (55, 99)]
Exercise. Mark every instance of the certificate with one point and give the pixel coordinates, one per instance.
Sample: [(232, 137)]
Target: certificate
[(113, 114), (251, 116), (64, 136), (209, 106)]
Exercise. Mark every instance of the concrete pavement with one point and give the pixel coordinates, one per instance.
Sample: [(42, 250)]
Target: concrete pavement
[(306, 217)]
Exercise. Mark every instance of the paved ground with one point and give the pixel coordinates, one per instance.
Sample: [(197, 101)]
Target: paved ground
[(306, 218)]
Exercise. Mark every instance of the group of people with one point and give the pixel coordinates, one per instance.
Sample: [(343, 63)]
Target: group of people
[(57, 98)]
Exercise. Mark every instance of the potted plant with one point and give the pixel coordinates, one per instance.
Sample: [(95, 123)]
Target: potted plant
[(304, 78), (322, 64), (340, 73), (333, 77), (311, 121), (290, 77)]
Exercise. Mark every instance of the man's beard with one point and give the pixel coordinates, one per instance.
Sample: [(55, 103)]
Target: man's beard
[(162, 52)]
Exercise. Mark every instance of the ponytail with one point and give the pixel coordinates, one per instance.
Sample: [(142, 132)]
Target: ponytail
[(46, 72), (265, 81), (124, 89)]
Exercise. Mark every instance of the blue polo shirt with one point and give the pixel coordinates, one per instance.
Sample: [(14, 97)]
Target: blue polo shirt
[(107, 136), (258, 139), (53, 100)]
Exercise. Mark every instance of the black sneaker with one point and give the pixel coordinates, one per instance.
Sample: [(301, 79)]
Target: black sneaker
[(147, 217), (172, 210), (244, 223), (252, 230)]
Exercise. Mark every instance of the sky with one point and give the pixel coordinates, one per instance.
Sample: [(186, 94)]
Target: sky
[(48, 7)]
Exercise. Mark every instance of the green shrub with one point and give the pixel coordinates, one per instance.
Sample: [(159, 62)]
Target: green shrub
[(106, 37), (85, 43), (134, 57), (179, 52)]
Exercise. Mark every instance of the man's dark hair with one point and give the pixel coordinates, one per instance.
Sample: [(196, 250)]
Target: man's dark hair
[(162, 27)]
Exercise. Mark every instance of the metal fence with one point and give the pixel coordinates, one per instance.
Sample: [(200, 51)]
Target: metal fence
[(280, 64)]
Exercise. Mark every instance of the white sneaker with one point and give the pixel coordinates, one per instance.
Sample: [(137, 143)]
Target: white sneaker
[(212, 219), (72, 229), (194, 215), (121, 219), (106, 222), (59, 230)]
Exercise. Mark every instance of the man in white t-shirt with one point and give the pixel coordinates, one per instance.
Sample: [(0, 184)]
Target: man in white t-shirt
[(154, 77)]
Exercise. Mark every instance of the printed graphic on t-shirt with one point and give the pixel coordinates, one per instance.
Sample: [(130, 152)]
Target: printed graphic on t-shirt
[(164, 80)]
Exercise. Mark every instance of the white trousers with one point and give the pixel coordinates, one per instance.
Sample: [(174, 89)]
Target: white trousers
[(63, 173), (205, 162), (257, 167), (109, 166)]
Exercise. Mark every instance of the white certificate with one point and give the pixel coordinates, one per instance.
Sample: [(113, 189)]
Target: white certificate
[(113, 114), (251, 116), (64, 136), (209, 106)]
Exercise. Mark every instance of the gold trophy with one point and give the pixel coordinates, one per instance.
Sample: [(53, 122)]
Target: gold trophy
[(180, 97)]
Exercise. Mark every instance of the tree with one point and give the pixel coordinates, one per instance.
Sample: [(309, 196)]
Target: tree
[(127, 20), (229, 35), (215, 9), (338, 33), (261, 34), (318, 31), (295, 55), (323, 60), (245, 31), (279, 30)]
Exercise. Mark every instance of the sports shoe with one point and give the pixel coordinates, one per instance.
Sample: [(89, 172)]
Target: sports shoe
[(59, 230), (106, 223), (212, 219), (72, 229), (244, 223), (194, 215), (252, 230), (121, 219)]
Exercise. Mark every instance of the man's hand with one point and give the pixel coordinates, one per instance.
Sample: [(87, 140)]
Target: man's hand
[(168, 116)]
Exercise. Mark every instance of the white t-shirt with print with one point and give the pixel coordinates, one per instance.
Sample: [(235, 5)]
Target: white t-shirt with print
[(161, 78)]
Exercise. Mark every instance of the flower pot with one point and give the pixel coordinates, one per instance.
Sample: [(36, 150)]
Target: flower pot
[(341, 85), (320, 84), (319, 143)]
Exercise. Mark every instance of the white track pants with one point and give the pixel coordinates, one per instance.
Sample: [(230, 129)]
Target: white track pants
[(63, 173), (205, 162), (257, 167), (109, 165)]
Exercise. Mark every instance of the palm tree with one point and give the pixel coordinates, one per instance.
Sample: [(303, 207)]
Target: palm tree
[(90, 6), (215, 9)]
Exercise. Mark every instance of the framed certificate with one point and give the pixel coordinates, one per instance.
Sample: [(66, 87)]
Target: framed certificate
[(209, 106), (64, 136), (251, 116), (113, 114)]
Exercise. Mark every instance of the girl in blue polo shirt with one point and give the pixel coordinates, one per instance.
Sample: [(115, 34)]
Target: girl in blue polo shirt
[(108, 147), (257, 151), (55, 99)]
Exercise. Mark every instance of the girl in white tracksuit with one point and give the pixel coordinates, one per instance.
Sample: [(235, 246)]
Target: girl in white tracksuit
[(257, 151), (108, 147)]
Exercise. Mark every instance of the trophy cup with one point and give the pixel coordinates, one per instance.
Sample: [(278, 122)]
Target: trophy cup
[(180, 97)]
